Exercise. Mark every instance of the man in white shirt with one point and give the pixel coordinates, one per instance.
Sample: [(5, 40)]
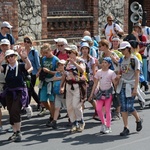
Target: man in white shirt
[(112, 29)]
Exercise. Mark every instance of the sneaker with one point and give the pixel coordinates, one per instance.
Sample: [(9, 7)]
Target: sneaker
[(38, 107), (116, 116), (18, 136), (125, 132), (42, 112), (103, 128), (139, 125), (13, 137), (73, 128), (81, 126), (29, 111), (53, 124), (107, 130), (142, 105), (48, 124)]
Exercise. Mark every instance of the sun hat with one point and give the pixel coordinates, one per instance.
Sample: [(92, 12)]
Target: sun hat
[(6, 24), (10, 52), (124, 45), (85, 44), (71, 48), (62, 61), (63, 40), (5, 41), (86, 39)]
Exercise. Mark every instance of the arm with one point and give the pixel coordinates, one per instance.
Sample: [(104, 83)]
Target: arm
[(62, 83), (93, 89), (134, 92)]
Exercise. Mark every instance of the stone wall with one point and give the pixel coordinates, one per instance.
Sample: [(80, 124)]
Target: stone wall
[(115, 7), (29, 18)]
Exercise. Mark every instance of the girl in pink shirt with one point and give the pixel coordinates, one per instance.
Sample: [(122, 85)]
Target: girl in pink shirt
[(105, 77)]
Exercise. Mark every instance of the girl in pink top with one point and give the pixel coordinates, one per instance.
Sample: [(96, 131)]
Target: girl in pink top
[(105, 77)]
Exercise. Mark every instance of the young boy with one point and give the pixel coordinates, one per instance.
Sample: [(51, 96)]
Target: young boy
[(59, 100)]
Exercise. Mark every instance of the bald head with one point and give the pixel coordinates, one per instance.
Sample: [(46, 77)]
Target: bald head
[(86, 33)]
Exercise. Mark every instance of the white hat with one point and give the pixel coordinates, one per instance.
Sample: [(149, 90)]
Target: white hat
[(124, 45), (6, 24), (62, 61), (85, 44), (10, 52), (63, 40), (86, 39), (71, 47), (5, 41)]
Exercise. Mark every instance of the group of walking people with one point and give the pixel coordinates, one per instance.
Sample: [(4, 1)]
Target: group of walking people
[(72, 74)]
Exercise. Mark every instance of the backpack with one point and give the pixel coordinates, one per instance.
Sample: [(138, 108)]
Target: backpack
[(114, 26), (56, 84), (132, 62)]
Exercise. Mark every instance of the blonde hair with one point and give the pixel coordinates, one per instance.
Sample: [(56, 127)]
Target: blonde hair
[(104, 42), (46, 47)]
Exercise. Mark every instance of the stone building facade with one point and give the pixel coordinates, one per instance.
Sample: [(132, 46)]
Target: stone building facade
[(48, 19)]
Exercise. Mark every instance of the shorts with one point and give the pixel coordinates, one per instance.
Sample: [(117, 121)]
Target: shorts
[(127, 103), (44, 97), (60, 101)]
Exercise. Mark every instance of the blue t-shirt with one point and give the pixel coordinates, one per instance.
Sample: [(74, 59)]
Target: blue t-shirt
[(35, 60), (9, 37), (50, 63)]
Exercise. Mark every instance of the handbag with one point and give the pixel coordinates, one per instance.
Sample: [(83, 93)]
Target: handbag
[(42, 75)]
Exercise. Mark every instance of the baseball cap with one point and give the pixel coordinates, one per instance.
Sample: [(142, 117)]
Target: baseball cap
[(10, 52), (137, 25), (85, 44), (87, 39), (6, 24), (62, 61), (63, 40), (5, 41), (124, 45)]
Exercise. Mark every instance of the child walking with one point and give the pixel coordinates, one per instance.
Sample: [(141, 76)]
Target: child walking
[(105, 76)]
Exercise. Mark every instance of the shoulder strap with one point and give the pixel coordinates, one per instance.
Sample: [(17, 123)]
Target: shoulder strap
[(33, 53), (105, 26), (147, 30)]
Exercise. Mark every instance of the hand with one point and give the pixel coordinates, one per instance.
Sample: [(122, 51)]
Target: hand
[(134, 92), (61, 90), (46, 70), (90, 98), (22, 52)]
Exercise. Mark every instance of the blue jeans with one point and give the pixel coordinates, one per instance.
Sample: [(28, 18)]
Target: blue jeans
[(127, 103)]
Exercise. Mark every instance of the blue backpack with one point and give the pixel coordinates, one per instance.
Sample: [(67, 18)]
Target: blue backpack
[(56, 84)]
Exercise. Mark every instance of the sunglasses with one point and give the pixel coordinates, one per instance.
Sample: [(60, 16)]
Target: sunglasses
[(60, 45), (110, 20), (10, 56), (69, 52), (26, 41)]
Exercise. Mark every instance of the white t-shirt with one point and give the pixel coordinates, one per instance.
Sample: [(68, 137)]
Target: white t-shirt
[(147, 53), (109, 31)]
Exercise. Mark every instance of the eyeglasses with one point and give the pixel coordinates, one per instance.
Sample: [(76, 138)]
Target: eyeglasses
[(110, 20), (7, 57), (26, 41), (60, 45)]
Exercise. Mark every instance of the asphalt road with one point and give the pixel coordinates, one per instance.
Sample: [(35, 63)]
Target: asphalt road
[(36, 136)]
